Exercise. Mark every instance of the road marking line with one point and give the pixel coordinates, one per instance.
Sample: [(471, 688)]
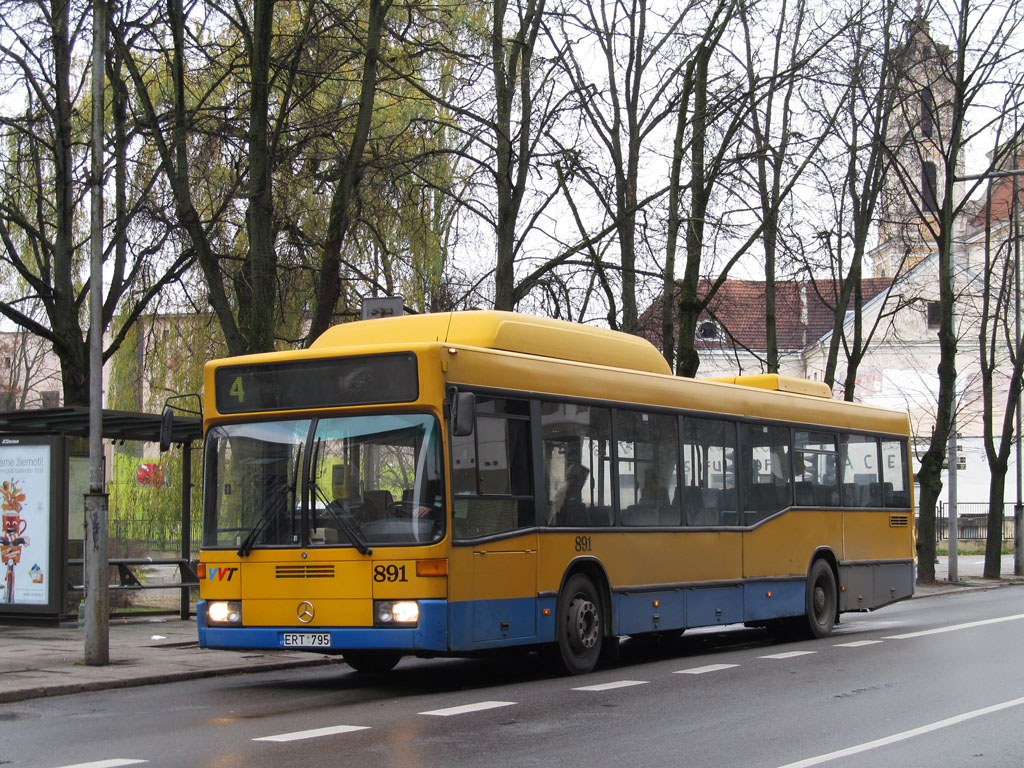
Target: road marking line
[(112, 763), (857, 644), (787, 655), (905, 735), (704, 670), (330, 730), (955, 627), (612, 686), (467, 708)]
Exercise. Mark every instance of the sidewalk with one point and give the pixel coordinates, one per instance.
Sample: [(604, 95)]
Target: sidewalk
[(47, 660)]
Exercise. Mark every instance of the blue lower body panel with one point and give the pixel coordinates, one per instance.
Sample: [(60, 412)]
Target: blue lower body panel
[(429, 635), (683, 607)]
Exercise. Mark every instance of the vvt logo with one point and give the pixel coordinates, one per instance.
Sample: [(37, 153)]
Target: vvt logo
[(220, 574)]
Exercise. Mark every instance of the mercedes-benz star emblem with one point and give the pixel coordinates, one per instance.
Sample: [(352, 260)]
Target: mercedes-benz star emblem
[(305, 612)]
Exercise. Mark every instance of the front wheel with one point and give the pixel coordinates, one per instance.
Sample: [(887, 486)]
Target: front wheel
[(821, 599), (579, 625), (372, 662)]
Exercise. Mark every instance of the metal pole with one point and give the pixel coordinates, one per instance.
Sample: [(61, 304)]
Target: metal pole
[(954, 571), (97, 601), (1018, 509), (186, 523)]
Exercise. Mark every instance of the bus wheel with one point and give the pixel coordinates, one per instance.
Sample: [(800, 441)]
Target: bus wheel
[(372, 662), (579, 625), (821, 599)]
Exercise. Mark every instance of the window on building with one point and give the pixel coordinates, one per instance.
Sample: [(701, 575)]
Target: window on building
[(929, 188), (50, 398), (927, 113), (934, 314), (708, 331)]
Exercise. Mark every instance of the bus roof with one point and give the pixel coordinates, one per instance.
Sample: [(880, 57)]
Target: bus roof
[(506, 331)]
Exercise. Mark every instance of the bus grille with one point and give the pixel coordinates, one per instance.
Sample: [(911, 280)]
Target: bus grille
[(899, 521), (305, 571)]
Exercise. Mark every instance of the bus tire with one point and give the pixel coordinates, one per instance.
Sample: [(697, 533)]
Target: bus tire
[(821, 599), (579, 625), (372, 662)]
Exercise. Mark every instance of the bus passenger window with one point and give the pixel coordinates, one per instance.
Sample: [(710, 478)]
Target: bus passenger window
[(709, 473), (861, 482), (647, 452), (577, 464), (815, 460), (766, 472), (491, 471), (894, 474)]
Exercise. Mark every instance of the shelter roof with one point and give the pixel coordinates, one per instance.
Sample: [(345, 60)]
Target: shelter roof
[(117, 425)]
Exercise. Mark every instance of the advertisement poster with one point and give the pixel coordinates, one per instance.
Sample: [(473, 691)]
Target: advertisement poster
[(25, 535)]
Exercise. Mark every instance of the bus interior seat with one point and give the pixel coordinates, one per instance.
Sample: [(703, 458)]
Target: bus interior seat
[(377, 505), (640, 514), (600, 516), (669, 515), (805, 494)]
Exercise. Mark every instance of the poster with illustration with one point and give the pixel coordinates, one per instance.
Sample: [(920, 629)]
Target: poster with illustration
[(25, 533)]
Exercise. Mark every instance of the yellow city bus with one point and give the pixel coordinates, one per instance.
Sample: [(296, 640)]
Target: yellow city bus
[(451, 483)]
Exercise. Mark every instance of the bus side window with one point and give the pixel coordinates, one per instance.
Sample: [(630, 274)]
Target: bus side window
[(766, 471), (861, 481), (576, 442), (894, 473), (647, 453), (491, 471), (709, 472)]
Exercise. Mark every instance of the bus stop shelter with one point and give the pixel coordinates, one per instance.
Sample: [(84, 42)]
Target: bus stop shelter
[(40, 489)]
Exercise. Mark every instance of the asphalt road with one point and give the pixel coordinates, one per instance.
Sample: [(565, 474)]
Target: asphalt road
[(938, 681)]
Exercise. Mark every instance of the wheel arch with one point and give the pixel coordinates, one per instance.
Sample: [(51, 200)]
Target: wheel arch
[(594, 570)]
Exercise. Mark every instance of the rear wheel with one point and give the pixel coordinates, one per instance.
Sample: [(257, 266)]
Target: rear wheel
[(372, 662), (821, 599), (578, 627)]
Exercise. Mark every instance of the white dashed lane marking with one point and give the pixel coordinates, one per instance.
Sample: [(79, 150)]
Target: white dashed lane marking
[(612, 686), (955, 627), (314, 733), (467, 708), (112, 763), (857, 644), (787, 655), (705, 669)]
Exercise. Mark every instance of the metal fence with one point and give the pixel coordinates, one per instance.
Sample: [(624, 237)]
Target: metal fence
[(972, 521)]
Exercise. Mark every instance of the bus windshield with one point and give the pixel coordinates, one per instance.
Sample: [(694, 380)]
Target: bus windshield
[(357, 481)]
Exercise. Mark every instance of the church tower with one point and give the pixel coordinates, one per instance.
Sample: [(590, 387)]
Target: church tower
[(918, 136)]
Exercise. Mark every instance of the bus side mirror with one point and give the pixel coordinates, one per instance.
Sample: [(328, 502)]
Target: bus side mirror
[(166, 419), (463, 413)]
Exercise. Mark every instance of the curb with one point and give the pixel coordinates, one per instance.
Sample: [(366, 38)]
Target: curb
[(7, 697)]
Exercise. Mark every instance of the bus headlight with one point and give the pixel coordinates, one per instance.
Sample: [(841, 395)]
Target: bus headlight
[(224, 614), (393, 613)]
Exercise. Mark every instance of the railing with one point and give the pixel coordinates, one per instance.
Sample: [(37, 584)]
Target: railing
[(128, 579), (972, 521)]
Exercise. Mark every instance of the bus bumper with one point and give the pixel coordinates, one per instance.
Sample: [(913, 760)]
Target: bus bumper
[(429, 635)]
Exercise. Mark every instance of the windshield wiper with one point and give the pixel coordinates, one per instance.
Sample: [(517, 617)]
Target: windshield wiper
[(350, 531), (271, 507)]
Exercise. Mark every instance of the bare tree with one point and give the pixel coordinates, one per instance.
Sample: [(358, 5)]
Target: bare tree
[(947, 79), (1001, 351), (42, 203)]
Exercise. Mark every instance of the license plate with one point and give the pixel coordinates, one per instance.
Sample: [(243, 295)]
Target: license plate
[(306, 639)]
